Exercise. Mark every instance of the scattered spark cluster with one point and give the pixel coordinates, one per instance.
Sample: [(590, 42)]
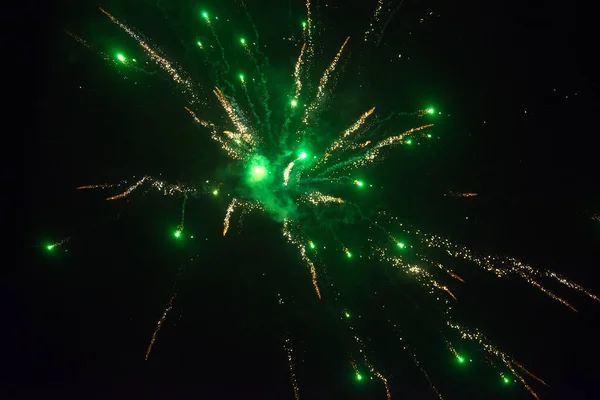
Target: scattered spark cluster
[(290, 179)]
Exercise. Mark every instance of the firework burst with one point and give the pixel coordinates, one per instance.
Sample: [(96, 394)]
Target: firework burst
[(289, 176)]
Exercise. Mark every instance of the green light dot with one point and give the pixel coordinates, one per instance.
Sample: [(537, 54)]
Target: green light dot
[(347, 314), (311, 244), (304, 24), (199, 43), (348, 254), (177, 234), (358, 377), (303, 155), (294, 103), (49, 247), (461, 359), (241, 77), (215, 192), (204, 15), (409, 141), (505, 380), (121, 57), (401, 245), (243, 41), (238, 141), (359, 183), (191, 236), (429, 135), (430, 111)]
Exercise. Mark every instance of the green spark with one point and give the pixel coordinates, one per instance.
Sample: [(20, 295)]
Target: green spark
[(348, 254), (359, 183), (215, 192), (429, 135), (347, 314), (49, 247), (199, 43), (304, 24), (294, 103), (177, 233), (505, 380), (121, 58), (358, 377), (204, 15), (461, 360), (409, 141), (311, 244), (430, 111), (191, 236), (401, 245), (243, 41), (241, 76), (302, 155)]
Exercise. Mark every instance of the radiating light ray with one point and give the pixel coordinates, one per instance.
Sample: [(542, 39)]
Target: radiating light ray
[(243, 205), (101, 186), (287, 233), (454, 194), (130, 189), (323, 83), (546, 291), (57, 244), (297, 69), (485, 344), (421, 275), (363, 352), (506, 266), (85, 44), (339, 144), (182, 222), (443, 268), (230, 210), (373, 154), (166, 188), (318, 198), (257, 119), (225, 66), (235, 153), (289, 350), (177, 75), (528, 373), (309, 29), (569, 284), (415, 360), (521, 379), (165, 313), (286, 173), (233, 114), (375, 19), (385, 25)]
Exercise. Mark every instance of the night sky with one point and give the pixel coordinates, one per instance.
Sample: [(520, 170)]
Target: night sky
[(517, 89)]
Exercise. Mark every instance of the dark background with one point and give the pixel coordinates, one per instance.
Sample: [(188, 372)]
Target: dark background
[(517, 87)]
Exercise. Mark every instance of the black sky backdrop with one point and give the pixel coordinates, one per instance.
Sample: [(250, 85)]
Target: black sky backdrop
[(518, 90)]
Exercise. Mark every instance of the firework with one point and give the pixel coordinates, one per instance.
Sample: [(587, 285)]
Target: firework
[(290, 178)]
